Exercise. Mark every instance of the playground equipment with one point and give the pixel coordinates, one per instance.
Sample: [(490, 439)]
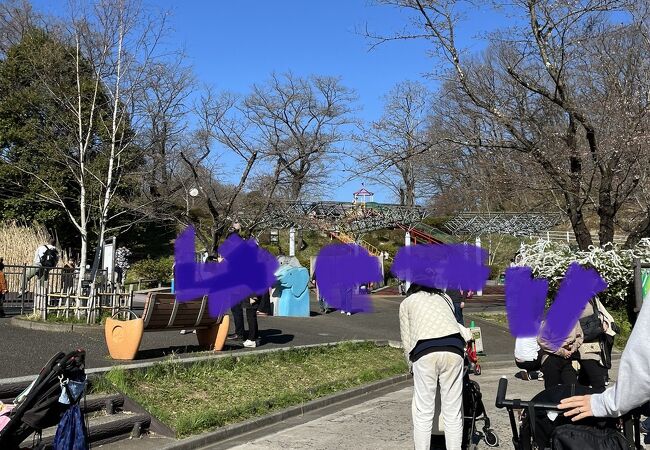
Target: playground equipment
[(291, 294), (418, 233), (362, 196), (513, 223)]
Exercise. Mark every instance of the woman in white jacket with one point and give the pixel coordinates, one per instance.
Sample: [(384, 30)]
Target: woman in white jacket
[(434, 343)]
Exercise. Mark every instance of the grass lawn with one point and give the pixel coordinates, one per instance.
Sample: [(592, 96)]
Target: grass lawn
[(192, 398), (53, 318), (620, 317)]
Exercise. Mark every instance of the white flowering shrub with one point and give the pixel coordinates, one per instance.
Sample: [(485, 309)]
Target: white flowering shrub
[(550, 260)]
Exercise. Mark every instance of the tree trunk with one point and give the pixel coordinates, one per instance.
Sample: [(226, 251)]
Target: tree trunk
[(642, 230), (580, 229), (606, 209)]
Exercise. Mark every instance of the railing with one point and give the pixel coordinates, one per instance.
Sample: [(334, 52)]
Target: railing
[(45, 291), (569, 237), (347, 239), (144, 283)]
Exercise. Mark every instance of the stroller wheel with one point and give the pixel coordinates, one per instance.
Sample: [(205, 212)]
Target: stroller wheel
[(477, 369), (490, 438)]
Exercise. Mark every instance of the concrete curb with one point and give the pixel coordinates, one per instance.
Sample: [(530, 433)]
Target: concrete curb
[(227, 432), (222, 354), (58, 327)]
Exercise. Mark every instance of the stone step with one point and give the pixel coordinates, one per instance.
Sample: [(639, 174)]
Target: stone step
[(103, 429)]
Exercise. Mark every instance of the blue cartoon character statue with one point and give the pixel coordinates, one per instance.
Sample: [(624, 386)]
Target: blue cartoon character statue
[(291, 293)]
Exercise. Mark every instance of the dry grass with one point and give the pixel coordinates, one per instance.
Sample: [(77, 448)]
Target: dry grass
[(18, 243)]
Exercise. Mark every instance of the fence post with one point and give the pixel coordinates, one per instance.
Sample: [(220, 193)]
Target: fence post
[(23, 287), (139, 284), (45, 285)]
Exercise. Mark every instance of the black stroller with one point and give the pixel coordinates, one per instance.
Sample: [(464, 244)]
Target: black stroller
[(41, 408), (474, 410), (558, 432)]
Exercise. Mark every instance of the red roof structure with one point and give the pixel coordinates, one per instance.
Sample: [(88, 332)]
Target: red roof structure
[(363, 195)]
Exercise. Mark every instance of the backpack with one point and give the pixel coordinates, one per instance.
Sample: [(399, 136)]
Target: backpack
[(49, 258), (568, 437)]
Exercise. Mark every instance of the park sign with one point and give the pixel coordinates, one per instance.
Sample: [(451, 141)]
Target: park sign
[(641, 283)]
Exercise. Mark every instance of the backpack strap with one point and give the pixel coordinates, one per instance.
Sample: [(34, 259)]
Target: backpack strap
[(449, 301)]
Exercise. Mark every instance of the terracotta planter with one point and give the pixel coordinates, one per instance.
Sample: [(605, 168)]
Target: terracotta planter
[(123, 337), (214, 338)]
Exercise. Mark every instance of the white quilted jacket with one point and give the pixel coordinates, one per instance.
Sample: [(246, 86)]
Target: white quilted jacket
[(427, 316)]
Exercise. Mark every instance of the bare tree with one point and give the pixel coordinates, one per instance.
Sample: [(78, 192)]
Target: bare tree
[(548, 85), (310, 118), (399, 142), (17, 18)]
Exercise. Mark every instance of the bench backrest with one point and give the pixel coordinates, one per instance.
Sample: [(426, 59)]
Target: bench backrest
[(162, 311)]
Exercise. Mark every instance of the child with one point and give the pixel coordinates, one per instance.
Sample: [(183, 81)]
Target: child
[(528, 356), (3, 287)]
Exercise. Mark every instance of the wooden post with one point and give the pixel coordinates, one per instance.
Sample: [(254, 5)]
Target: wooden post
[(67, 305)]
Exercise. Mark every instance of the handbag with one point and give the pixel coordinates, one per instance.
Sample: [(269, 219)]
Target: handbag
[(606, 345), (592, 326), (578, 437)]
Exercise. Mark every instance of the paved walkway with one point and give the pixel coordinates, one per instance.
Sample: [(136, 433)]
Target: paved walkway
[(385, 422), (24, 352)]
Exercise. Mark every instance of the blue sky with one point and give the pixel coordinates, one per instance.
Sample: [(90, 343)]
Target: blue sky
[(233, 44)]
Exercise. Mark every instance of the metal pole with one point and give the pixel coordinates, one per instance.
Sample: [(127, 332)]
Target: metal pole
[(23, 289), (478, 257), (407, 243), (292, 241)]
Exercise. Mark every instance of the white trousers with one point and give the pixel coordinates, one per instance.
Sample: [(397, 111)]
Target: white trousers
[(446, 369)]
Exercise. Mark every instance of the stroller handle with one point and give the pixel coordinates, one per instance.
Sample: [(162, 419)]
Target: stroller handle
[(502, 402)]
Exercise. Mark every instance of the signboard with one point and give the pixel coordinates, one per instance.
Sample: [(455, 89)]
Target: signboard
[(478, 339), (645, 282), (641, 283)]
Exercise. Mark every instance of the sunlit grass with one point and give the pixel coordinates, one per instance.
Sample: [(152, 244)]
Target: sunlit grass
[(192, 398)]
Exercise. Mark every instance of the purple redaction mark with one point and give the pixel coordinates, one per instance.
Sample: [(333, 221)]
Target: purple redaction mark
[(525, 301), (247, 270), (342, 267), (443, 266), (578, 287)]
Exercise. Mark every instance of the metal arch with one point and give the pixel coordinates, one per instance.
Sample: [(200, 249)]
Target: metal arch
[(514, 223)]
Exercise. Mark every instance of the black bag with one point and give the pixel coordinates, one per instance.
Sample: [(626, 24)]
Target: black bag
[(592, 326), (606, 345), (582, 437), (49, 258)]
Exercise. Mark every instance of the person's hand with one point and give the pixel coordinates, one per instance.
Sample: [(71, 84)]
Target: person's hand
[(578, 407), (605, 326)]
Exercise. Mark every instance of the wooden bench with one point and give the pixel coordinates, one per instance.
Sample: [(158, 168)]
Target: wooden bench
[(163, 312)]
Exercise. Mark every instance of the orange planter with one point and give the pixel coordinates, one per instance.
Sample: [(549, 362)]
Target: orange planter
[(214, 338), (123, 337)]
